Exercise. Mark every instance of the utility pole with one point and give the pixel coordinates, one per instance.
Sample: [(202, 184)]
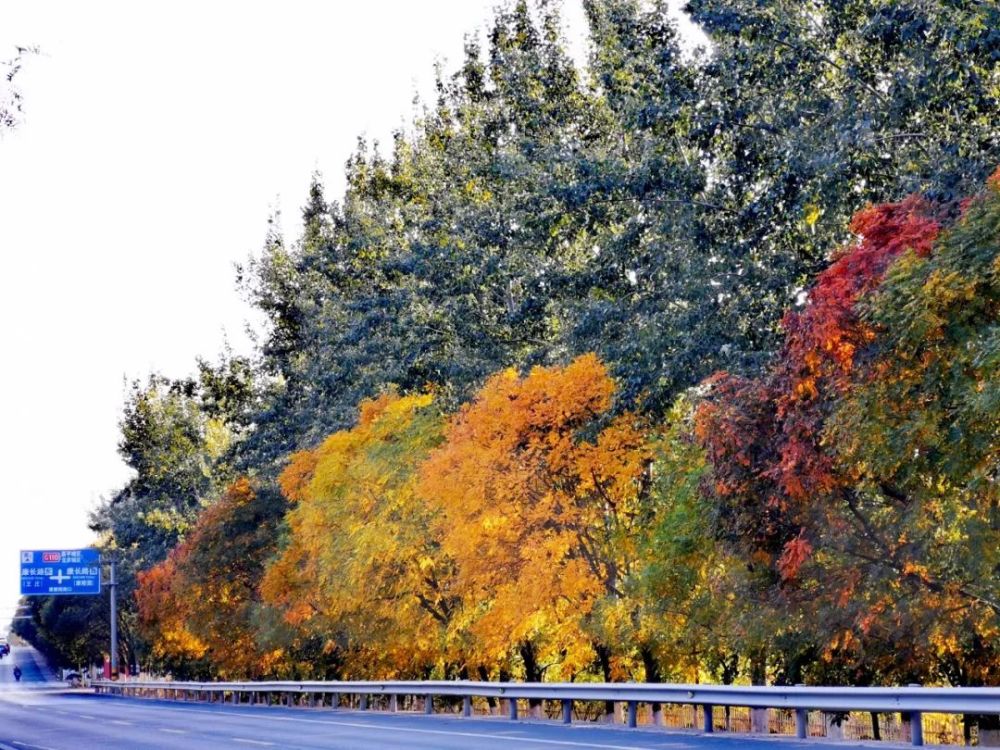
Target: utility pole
[(112, 583)]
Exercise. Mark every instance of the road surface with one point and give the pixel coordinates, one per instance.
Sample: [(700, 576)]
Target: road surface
[(34, 672), (35, 718)]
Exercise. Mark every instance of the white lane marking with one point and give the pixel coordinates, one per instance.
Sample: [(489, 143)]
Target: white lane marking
[(173, 731), (87, 716), (122, 723), (31, 747), (251, 742), (476, 735)]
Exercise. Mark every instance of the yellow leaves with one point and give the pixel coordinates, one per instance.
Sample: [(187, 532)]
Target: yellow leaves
[(218, 438), (948, 289), (811, 214), (493, 522), (361, 555), (477, 193), (165, 519)]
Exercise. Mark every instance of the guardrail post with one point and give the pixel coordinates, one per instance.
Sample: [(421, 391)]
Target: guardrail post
[(567, 709), (512, 705), (334, 700), (632, 712), (801, 719), (363, 703), (917, 728), (428, 704), (916, 724), (759, 720), (801, 723), (706, 723), (467, 706)]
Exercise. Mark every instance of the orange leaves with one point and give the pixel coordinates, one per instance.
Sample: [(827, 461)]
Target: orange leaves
[(297, 474), (795, 553), (993, 181), (529, 509), (164, 612), (196, 604), (911, 568)]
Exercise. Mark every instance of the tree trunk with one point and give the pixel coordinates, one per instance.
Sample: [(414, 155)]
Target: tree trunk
[(484, 676), (653, 674), (758, 676), (532, 673), (604, 659)]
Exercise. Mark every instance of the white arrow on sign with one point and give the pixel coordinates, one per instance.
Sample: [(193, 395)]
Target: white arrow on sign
[(60, 578)]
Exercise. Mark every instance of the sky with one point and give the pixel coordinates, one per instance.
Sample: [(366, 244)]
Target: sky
[(157, 139)]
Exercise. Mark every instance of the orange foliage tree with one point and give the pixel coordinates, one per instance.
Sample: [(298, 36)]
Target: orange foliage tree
[(198, 607), (540, 499)]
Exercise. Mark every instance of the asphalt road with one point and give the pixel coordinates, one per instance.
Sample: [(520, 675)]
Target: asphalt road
[(40, 719), (34, 673)]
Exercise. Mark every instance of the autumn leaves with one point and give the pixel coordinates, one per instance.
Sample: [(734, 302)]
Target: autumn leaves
[(416, 540), (833, 519)]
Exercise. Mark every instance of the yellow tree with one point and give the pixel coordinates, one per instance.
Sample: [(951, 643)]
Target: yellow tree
[(541, 522), (362, 566)]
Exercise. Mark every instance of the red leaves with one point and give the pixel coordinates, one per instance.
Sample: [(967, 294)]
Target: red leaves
[(763, 436), (795, 553), (820, 340)]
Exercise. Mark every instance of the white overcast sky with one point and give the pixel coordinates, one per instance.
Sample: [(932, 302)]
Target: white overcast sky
[(157, 138)]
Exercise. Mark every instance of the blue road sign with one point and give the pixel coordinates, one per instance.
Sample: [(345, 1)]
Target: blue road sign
[(60, 571)]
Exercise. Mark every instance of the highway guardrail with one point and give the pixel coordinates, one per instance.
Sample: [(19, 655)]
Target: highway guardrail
[(911, 701)]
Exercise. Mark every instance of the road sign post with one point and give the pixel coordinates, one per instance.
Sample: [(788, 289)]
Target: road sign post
[(112, 590)]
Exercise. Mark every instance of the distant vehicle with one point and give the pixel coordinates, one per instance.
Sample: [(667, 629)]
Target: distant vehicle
[(17, 673)]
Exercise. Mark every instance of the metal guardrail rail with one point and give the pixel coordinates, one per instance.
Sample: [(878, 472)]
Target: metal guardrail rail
[(913, 700)]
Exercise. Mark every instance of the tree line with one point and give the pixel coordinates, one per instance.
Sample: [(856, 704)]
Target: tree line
[(674, 365)]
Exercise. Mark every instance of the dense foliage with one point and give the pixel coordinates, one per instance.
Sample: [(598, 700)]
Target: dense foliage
[(682, 365)]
